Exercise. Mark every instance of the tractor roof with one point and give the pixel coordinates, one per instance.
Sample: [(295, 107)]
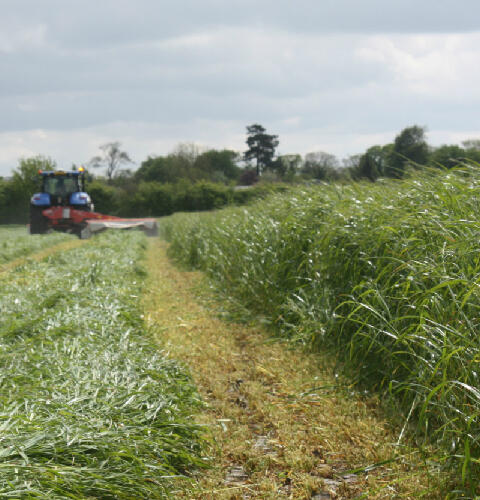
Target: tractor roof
[(61, 173)]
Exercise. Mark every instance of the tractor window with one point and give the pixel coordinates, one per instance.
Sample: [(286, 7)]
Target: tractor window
[(60, 186)]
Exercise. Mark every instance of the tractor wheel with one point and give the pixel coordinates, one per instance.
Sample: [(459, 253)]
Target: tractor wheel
[(38, 223)]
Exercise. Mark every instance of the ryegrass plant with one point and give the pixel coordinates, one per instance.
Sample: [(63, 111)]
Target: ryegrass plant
[(386, 275), (16, 242), (89, 407)]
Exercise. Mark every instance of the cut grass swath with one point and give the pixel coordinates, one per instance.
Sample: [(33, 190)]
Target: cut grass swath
[(15, 242), (88, 405)]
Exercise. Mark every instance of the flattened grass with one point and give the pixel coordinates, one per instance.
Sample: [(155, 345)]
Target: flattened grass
[(89, 407), (15, 242), (384, 275)]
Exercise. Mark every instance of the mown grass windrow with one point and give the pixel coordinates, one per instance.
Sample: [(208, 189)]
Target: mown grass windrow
[(89, 407)]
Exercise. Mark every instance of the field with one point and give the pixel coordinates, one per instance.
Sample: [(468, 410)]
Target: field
[(90, 407), (117, 369), (385, 276), (15, 243)]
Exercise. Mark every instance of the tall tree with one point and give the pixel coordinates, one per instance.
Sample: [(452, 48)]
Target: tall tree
[(472, 144), (287, 166), (448, 155), (112, 158), (321, 166), (373, 163), (472, 150), (24, 182), (368, 168), (218, 166), (26, 177), (261, 147), (410, 147), (351, 162)]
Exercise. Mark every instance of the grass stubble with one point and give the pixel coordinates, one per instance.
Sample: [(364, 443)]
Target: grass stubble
[(283, 425)]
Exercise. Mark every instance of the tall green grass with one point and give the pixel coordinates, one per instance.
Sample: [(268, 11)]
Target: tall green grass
[(386, 275), (89, 407)]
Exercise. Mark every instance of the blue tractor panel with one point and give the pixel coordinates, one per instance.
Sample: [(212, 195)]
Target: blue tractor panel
[(80, 198), (40, 200)]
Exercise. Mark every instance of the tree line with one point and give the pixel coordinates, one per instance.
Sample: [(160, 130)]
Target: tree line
[(185, 180), (191, 178), (409, 150)]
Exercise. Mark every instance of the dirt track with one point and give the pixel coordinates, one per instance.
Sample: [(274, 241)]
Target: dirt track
[(282, 426)]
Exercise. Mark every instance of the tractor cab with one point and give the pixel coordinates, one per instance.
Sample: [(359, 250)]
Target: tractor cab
[(62, 188), (60, 185)]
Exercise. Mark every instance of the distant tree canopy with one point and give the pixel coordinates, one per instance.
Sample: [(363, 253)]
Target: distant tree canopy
[(320, 165), (25, 176), (15, 194), (409, 148), (112, 158), (373, 163), (261, 147), (287, 166), (448, 156), (218, 166), (192, 165), (194, 178)]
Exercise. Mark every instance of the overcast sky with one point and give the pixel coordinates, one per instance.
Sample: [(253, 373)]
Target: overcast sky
[(325, 75)]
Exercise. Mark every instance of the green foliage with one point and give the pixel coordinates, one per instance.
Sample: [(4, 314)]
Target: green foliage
[(374, 163), (165, 169), (191, 179), (106, 198), (385, 275), (156, 199), (150, 199), (218, 166), (112, 158), (187, 163), (447, 156), (368, 168), (15, 194), (202, 196), (287, 166), (4, 199), (25, 176), (320, 166), (261, 147), (409, 148), (248, 177), (160, 187), (89, 407)]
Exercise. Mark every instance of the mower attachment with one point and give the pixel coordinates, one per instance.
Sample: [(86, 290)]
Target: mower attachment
[(86, 223), (149, 226)]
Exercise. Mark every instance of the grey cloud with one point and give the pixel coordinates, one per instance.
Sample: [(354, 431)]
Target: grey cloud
[(112, 22), (174, 66), (150, 81)]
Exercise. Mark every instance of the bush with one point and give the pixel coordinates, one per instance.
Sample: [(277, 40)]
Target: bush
[(105, 197)]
